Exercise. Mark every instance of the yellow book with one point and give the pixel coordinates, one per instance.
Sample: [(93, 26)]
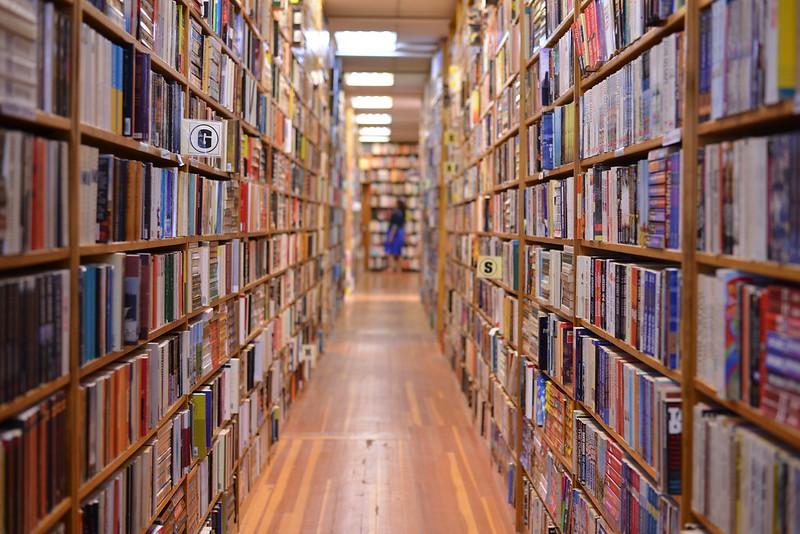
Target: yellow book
[(787, 47), (199, 424)]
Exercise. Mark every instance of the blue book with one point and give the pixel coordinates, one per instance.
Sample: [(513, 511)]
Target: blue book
[(673, 338), (557, 118), (547, 140), (674, 176)]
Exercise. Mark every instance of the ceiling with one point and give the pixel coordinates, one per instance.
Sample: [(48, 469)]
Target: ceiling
[(421, 26)]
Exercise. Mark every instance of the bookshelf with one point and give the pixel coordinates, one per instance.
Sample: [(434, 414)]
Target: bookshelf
[(432, 153), (389, 174), (243, 255), (520, 71)]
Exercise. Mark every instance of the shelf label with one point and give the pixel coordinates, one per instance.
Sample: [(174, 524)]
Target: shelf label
[(490, 267), (203, 138), (672, 137), (619, 152)]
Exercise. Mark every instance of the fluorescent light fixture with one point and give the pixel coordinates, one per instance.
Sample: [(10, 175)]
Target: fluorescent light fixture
[(374, 139), (365, 43), (373, 119), (379, 131), (369, 79), (372, 102)]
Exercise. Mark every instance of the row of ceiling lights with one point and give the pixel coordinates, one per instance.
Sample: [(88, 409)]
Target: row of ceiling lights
[(374, 126)]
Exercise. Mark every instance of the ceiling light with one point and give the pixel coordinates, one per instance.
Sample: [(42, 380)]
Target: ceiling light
[(373, 139), (372, 102), (369, 79), (369, 43), (380, 130), (374, 119)]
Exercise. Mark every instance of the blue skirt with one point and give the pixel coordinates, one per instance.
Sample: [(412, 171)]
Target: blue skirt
[(394, 247)]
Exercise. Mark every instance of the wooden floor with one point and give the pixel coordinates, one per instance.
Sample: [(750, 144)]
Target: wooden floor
[(381, 440)]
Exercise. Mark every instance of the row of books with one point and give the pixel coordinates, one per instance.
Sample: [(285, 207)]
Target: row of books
[(636, 303), (32, 466), (508, 250), (543, 17), (124, 402), (641, 406), (34, 344), (639, 102), (133, 100), (555, 76), (753, 358), (36, 70), (127, 501), (34, 203), (506, 161), (549, 209), (499, 212), (123, 300), (732, 80), (550, 276), (635, 204), (630, 501), (506, 109), (499, 306), (748, 198), (129, 200), (605, 27), (553, 140), (759, 494)]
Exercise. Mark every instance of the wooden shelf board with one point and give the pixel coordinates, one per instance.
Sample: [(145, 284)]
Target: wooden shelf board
[(781, 432), (32, 397), (630, 451), (669, 255), (35, 121), (126, 146), (650, 38), (53, 517), (33, 259), (561, 170), (560, 30), (561, 241), (779, 271), (632, 351), (706, 523), (631, 150), (739, 123), (89, 486)]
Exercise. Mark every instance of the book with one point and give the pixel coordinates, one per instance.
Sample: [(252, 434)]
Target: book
[(637, 204), (35, 344), (636, 303), (638, 103), (734, 81), (127, 296), (34, 201), (730, 499), (549, 209), (31, 447), (750, 218)]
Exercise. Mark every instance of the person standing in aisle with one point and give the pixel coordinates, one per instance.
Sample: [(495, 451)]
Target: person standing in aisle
[(396, 236)]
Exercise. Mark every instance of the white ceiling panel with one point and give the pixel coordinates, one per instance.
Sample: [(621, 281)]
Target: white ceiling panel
[(421, 27)]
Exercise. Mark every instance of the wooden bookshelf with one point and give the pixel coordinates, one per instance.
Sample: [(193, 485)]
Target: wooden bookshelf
[(462, 216), (319, 195)]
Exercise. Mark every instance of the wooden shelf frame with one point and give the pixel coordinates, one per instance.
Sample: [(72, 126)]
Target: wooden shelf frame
[(322, 196), (783, 116)]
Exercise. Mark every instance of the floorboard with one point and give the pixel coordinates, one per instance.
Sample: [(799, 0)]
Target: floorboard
[(381, 442)]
